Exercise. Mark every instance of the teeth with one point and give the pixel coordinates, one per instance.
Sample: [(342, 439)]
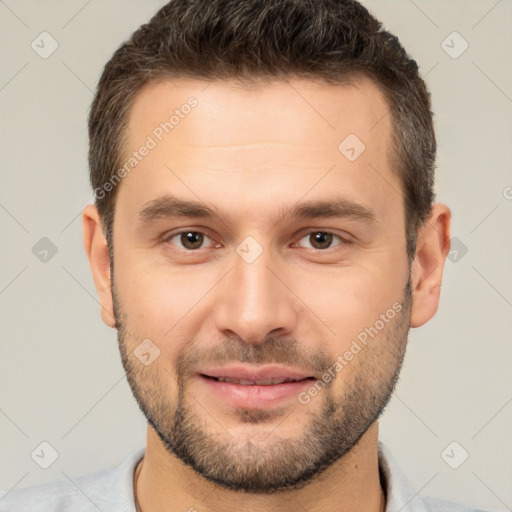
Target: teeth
[(247, 382), (279, 381), (262, 382)]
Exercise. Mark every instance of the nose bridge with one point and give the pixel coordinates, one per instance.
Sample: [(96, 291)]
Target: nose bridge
[(254, 302)]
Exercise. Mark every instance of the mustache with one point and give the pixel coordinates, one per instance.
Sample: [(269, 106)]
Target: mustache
[(272, 350)]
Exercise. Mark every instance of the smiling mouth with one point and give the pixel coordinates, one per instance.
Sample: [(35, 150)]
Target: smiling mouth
[(259, 382), (248, 387)]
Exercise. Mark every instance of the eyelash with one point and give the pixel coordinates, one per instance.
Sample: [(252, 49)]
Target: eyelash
[(343, 241)]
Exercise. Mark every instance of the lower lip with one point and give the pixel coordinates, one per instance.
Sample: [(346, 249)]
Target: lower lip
[(255, 397)]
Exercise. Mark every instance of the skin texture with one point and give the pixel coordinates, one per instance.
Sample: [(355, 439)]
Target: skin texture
[(254, 153)]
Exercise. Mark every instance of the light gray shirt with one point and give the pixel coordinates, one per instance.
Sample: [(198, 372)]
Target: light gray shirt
[(112, 491)]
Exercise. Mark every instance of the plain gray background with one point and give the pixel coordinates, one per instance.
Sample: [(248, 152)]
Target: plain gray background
[(61, 379)]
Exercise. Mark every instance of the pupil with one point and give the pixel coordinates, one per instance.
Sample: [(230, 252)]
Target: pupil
[(322, 239)]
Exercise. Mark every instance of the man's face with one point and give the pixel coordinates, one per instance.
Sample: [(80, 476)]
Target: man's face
[(263, 290)]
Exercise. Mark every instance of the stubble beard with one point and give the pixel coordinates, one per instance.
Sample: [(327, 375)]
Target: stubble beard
[(263, 461)]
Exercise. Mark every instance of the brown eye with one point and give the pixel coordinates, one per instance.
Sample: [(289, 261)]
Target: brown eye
[(189, 240), (321, 240)]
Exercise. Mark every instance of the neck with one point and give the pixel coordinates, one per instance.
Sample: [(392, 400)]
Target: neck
[(163, 482)]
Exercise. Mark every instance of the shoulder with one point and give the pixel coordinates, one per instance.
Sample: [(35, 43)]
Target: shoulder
[(435, 504), (105, 490), (403, 497), (52, 497)]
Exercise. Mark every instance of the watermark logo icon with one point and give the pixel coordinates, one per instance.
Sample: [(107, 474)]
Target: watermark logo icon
[(147, 352), (454, 455), (249, 249), (352, 147), (458, 249), (454, 45), (44, 250), (44, 45), (44, 455)]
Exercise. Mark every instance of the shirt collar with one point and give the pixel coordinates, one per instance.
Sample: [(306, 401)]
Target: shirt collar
[(400, 493)]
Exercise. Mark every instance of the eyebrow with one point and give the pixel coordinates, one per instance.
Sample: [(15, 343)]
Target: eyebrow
[(169, 206)]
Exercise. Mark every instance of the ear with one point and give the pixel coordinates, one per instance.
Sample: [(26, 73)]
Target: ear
[(96, 247), (432, 248)]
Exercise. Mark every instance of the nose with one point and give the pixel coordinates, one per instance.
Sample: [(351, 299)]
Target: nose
[(254, 302)]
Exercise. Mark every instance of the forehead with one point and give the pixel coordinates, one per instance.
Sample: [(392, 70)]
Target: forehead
[(266, 111), (265, 143)]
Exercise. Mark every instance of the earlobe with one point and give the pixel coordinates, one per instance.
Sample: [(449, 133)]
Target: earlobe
[(96, 248), (432, 248)]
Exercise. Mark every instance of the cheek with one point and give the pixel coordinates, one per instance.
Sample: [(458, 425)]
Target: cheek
[(163, 304), (348, 300)]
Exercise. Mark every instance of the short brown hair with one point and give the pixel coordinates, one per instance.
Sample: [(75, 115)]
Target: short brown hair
[(249, 40)]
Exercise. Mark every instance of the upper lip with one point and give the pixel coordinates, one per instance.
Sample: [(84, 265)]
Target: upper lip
[(255, 373)]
